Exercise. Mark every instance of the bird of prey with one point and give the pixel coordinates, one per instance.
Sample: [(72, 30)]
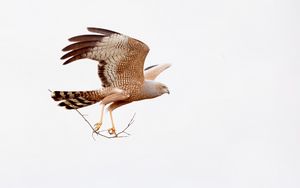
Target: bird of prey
[(120, 68)]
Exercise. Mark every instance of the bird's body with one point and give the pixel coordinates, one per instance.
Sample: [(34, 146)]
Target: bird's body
[(120, 68)]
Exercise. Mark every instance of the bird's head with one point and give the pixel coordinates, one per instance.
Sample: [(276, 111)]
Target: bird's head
[(152, 89), (162, 88)]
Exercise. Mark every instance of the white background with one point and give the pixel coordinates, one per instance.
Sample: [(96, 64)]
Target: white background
[(232, 119)]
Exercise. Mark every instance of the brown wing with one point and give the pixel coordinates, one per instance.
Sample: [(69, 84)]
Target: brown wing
[(121, 58)]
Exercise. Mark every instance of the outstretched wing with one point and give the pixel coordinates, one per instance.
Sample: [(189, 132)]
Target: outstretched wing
[(150, 73), (121, 58)]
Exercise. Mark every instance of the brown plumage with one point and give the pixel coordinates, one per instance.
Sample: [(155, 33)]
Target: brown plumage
[(120, 68)]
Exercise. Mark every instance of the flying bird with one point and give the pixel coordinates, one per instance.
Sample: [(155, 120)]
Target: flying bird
[(120, 68)]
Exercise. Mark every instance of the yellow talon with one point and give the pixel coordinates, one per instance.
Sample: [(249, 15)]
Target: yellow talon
[(112, 131), (97, 126)]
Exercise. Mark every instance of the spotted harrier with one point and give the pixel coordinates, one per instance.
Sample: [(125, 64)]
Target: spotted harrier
[(120, 68)]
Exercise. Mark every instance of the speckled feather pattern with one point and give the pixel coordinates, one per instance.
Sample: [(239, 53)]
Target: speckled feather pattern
[(120, 68), (121, 59)]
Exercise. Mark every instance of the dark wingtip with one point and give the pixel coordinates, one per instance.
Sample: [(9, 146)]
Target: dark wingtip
[(101, 31), (80, 45), (93, 29), (74, 58), (65, 56), (81, 38), (65, 49), (67, 62), (73, 39), (150, 67)]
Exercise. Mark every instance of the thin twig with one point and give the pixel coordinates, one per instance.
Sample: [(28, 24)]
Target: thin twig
[(128, 125), (117, 135)]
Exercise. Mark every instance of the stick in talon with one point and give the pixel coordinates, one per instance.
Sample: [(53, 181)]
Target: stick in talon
[(121, 70), (112, 131), (97, 126)]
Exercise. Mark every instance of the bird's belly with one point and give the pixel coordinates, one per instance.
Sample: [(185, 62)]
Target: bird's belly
[(133, 90)]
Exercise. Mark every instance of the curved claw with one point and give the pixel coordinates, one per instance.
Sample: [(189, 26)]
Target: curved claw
[(112, 131), (97, 126)]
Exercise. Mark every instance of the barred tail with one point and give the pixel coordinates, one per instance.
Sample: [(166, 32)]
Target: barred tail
[(77, 99)]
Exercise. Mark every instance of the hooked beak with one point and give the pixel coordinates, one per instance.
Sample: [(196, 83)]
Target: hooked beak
[(168, 91)]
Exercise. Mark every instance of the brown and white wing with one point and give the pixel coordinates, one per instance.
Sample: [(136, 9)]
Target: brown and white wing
[(121, 58), (150, 73)]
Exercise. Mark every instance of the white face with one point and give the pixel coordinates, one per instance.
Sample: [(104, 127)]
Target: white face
[(163, 89)]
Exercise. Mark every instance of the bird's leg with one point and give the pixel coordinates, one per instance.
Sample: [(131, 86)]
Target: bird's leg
[(113, 98), (98, 125), (112, 130), (112, 107)]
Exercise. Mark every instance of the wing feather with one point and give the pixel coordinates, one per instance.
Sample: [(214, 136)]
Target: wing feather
[(120, 57), (151, 72), (86, 38), (79, 51), (79, 45), (101, 31), (74, 58), (150, 67)]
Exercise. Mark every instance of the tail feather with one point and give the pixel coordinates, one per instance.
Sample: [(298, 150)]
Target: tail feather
[(76, 99), (60, 95)]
